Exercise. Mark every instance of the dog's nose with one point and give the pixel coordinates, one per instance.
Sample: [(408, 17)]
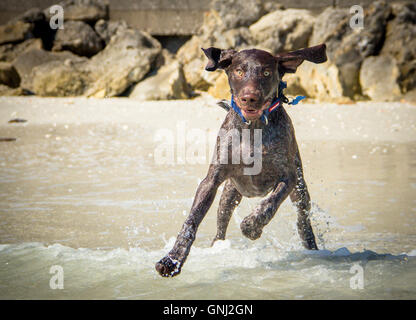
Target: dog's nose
[(249, 97)]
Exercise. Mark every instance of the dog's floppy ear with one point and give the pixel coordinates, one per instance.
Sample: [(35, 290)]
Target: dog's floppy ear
[(289, 61), (218, 58)]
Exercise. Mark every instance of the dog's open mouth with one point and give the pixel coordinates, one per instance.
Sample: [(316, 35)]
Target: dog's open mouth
[(251, 113)]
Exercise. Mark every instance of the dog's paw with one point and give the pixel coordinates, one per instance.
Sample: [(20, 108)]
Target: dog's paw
[(251, 228), (168, 267), (216, 239)]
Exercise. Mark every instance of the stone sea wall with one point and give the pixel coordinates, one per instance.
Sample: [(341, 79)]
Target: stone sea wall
[(95, 55)]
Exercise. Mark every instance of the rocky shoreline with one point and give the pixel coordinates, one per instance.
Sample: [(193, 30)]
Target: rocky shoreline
[(93, 56)]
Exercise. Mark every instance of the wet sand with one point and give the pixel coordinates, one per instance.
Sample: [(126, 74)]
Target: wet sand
[(81, 187)]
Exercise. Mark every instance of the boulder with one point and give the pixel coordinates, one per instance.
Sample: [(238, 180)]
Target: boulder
[(375, 86), (221, 88), (168, 83), (9, 52), (235, 13), (194, 60), (79, 38), (326, 22), (348, 47), (410, 96), (8, 91), (319, 81), (283, 30), (57, 79), (9, 75), (41, 28), (294, 86), (107, 29), (213, 32), (271, 5), (15, 32), (400, 42), (126, 59), (163, 58), (197, 77), (30, 59), (89, 11), (33, 15)]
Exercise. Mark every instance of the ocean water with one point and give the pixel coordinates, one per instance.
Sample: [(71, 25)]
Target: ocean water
[(91, 201)]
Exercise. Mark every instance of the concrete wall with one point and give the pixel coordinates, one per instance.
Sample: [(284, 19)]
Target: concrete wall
[(164, 17)]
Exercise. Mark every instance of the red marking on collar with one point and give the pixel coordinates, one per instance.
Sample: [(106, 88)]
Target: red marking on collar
[(274, 106)]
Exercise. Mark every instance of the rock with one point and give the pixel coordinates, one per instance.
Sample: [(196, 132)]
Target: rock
[(239, 38), (379, 78), (326, 22), (194, 62), (197, 77), (32, 58), (9, 52), (163, 58), (212, 33), (400, 42), (271, 5), (107, 29), (8, 91), (168, 83), (126, 59), (283, 30), (88, 11), (9, 75), (319, 81), (15, 32), (57, 79), (33, 15), (294, 86), (79, 38), (41, 28), (348, 47), (237, 13), (410, 96), (221, 88)]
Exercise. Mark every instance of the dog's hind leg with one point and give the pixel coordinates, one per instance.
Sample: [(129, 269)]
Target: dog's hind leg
[(301, 199), (252, 225), (230, 199)]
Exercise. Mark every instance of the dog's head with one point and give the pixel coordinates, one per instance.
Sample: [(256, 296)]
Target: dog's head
[(254, 75)]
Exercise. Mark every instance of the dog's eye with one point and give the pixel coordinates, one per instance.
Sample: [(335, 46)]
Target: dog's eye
[(239, 72), (266, 73)]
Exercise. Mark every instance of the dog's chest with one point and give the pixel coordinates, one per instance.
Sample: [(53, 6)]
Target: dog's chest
[(267, 161)]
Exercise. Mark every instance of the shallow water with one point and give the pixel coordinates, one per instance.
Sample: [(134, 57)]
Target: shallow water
[(91, 199)]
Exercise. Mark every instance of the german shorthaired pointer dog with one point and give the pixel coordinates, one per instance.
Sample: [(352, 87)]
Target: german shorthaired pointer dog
[(256, 108)]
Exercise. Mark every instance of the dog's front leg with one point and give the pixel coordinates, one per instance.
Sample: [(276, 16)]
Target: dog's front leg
[(171, 264), (252, 225)]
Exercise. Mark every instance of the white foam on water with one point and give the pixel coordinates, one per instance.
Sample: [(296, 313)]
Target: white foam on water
[(231, 269), (412, 253)]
